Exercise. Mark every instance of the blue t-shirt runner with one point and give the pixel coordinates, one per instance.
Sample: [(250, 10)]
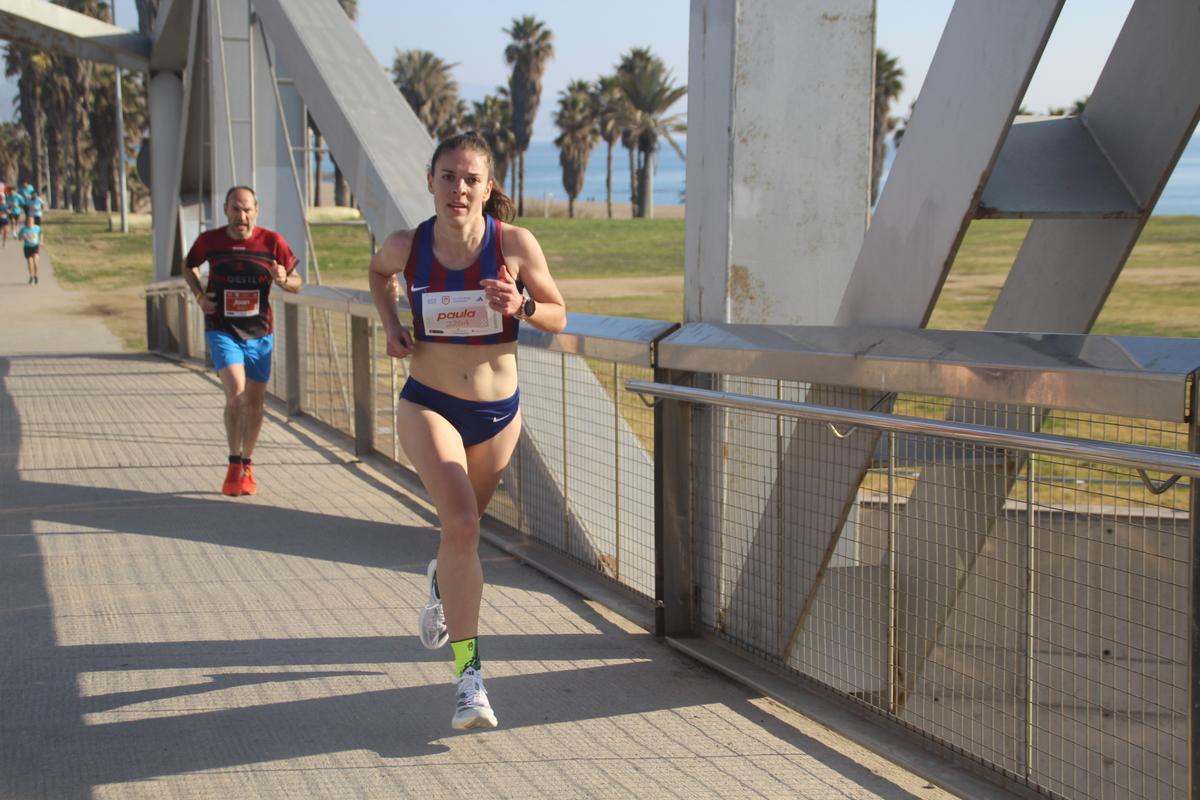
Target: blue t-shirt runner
[(31, 236)]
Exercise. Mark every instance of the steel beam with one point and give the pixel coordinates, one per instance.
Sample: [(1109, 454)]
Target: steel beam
[(172, 33), (51, 27), (377, 140), (982, 66)]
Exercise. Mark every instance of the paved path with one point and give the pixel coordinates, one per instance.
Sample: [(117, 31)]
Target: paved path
[(158, 639)]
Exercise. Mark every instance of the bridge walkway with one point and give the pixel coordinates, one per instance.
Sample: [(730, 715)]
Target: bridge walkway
[(163, 640)]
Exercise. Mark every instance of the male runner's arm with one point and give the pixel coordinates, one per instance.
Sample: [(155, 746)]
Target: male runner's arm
[(288, 281), (191, 276)]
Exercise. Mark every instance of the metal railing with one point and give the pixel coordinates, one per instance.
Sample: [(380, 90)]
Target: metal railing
[(979, 562), (958, 532)]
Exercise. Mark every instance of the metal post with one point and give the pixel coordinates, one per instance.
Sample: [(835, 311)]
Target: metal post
[(566, 492), (152, 337), (364, 386), (1030, 588), (674, 613), (893, 660), (123, 199), (291, 335), (616, 400), (1194, 621), (185, 324)]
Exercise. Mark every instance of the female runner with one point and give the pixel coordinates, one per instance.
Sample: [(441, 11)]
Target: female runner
[(459, 416)]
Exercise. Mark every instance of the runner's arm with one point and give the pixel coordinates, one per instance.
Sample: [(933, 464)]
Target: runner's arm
[(522, 247)]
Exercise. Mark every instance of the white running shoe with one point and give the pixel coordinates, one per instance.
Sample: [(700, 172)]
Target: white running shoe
[(431, 626), (473, 709)]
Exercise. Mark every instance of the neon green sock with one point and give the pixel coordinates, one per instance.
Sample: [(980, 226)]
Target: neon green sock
[(466, 654)]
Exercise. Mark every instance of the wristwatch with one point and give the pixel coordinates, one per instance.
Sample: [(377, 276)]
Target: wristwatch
[(527, 309)]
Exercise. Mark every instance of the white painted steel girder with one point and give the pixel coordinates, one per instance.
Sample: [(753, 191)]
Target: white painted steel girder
[(1142, 113), (376, 139), (52, 27), (778, 157), (978, 76)]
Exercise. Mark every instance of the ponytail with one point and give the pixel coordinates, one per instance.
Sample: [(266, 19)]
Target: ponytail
[(500, 205)]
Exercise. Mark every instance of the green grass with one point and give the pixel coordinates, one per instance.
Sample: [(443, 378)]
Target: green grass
[(343, 252), (602, 248), (1154, 296), (574, 248), (110, 268)]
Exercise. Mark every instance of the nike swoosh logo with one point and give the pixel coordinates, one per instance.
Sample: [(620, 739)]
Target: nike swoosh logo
[(420, 288), (497, 419)]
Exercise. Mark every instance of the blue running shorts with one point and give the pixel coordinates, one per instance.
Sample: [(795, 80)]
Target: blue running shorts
[(475, 421), (253, 354)]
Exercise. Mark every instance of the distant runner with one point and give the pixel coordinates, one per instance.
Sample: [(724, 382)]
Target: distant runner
[(31, 236)]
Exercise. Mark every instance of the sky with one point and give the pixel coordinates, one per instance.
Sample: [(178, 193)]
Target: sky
[(469, 34)]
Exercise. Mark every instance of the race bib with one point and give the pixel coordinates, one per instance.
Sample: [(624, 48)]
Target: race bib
[(241, 302), (460, 314)]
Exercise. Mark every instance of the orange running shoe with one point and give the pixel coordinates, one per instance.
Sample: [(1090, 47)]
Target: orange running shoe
[(248, 484), (233, 481)]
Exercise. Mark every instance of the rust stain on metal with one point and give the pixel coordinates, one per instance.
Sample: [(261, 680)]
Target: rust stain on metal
[(744, 288)]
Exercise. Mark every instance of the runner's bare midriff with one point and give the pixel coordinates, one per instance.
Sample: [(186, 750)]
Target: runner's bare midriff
[(482, 373)]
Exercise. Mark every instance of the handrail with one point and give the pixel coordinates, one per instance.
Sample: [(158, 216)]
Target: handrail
[(1138, 457)]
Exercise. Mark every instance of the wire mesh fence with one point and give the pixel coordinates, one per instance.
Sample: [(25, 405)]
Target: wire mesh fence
[(1027, 610)]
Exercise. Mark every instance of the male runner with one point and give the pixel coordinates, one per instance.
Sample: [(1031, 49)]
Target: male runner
[(244, 261)]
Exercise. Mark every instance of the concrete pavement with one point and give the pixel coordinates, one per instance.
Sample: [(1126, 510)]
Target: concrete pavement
[(158, 639)]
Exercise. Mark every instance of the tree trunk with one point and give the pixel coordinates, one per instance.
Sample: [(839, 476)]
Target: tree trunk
[(646, 186), (633, 184), (521, 184), (55, 199), (608, 182), (319, 157), (37, 144), (340, 193), (512, 191), (570, 207), (878, 138)]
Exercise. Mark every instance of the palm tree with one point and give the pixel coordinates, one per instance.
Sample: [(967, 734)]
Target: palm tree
[(492, 118), (531, 47), (611, 113), (30, 68), (576, 118), (147, 10), (635, 60), (13, 145), (102, 133), (431, 92), (650, 91), (888, 85)]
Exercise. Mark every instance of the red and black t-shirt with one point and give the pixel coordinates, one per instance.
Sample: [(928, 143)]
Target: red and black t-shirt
[(240, 277)]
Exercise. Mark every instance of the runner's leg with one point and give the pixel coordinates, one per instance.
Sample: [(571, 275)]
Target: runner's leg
[(233, 380), (251, 415), (435, 449)]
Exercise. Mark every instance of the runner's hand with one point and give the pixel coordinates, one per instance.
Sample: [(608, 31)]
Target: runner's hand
[(400, 343), (502, 292), (208, 303), (279, 272)]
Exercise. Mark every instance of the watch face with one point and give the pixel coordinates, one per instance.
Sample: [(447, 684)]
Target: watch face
[(529, 307)]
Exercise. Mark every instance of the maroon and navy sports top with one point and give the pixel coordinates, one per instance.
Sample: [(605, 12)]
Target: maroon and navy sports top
[(239, 273), (449, 305)]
